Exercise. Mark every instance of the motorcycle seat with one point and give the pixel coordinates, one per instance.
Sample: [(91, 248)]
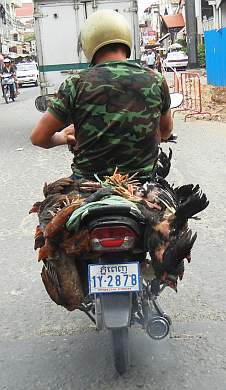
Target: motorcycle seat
[(112, 210)]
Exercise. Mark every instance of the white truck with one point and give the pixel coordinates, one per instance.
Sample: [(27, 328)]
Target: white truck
[(57, 28)]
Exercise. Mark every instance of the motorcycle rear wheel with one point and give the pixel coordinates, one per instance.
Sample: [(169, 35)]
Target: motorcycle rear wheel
[(120, 342)]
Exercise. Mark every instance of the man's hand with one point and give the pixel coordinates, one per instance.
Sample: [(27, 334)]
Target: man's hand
[(46, 134), (65, 136)]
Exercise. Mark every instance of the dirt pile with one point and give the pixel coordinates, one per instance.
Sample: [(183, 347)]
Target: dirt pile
[(214, 101)]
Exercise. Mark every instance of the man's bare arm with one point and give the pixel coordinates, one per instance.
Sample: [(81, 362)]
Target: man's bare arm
[(166, 125), (46, 133)]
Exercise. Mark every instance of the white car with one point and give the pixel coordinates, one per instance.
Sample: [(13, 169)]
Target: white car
[(176, 58), (27, 73)]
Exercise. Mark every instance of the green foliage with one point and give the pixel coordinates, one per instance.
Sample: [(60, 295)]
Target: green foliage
[(29, 37), (182, 42), (202, 55)]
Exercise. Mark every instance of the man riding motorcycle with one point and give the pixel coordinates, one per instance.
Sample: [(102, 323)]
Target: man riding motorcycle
[(8, 68), (120, 111)]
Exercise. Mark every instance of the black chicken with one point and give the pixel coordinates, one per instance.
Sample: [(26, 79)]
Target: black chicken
[(168, 238)]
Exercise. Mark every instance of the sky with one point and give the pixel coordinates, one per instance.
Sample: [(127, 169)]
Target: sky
[(142, 4)]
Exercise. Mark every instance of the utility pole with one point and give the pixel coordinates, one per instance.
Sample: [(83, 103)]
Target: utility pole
[(191, 27)]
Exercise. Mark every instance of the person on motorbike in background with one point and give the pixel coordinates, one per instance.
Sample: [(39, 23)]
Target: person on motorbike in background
[(8, 68), (119, 109), (13, 64)]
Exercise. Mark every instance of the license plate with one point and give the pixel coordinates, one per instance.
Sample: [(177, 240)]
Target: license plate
[(109, 278)]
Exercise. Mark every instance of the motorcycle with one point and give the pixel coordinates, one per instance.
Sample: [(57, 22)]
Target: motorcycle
[(8, 87), (117, 292)]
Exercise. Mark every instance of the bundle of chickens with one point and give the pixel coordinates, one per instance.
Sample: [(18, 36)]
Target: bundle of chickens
[(166, 209)]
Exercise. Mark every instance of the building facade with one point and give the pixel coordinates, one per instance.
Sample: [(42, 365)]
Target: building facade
[(168, 7), (11, 30), (152, 19), (153, 15), (25, 14), (219, 13)]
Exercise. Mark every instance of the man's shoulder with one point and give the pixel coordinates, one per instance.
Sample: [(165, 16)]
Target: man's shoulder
[(76, 76), (70, 82)]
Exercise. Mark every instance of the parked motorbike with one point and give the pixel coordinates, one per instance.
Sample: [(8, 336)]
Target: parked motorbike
[(8, 87)]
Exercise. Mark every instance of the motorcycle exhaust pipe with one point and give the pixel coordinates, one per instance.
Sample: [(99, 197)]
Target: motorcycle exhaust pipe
[(158, 327)]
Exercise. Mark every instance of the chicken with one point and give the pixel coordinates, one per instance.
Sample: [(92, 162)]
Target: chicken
[(167, 236), (61, 186), (39, 238), (191, 204), (76, 243), (163, 163), (57, 224), (166, 211)]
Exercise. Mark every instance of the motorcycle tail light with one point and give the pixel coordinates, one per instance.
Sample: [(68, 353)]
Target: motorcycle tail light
[(112, 238)]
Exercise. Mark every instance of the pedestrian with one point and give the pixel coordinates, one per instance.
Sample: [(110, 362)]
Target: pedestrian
[(151, 59), (144, 58), (158, 63)]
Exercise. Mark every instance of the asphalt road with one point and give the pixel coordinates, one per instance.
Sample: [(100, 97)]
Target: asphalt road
[(42, 346)]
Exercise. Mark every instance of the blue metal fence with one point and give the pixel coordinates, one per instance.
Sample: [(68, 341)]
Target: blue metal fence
[(215, 43)]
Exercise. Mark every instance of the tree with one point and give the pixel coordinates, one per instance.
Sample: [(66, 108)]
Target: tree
[(202, 55), (29, 37)]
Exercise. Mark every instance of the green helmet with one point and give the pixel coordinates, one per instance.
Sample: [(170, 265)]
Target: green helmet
[(103, 28)]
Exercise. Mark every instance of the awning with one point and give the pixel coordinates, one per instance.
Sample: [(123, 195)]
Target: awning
[(151, 46), (164, 37), (174, 21)]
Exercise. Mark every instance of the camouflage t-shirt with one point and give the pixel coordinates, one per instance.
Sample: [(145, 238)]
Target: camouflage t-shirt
[(116, 108)]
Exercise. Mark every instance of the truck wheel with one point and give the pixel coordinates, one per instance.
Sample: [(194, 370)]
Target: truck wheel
[(120, 341)]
